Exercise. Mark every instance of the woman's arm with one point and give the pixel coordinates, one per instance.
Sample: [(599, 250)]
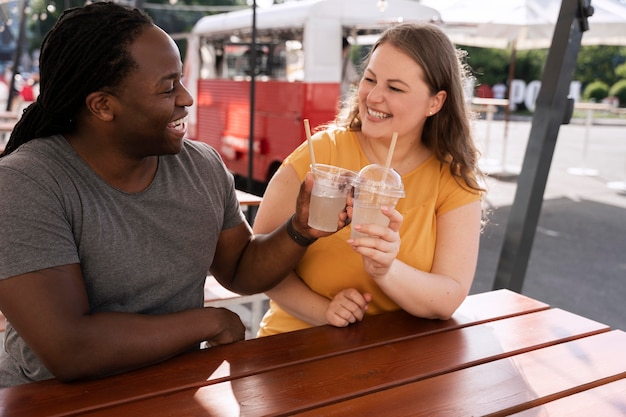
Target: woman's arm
[(278, 200), (297, 299)]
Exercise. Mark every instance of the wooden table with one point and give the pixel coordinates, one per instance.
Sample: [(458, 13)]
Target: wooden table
[(247, 199), (249, 203), (502, 353), (215, 295), (10, 116)]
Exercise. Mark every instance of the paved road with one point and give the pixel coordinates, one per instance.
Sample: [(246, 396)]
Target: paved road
[(578, 260)]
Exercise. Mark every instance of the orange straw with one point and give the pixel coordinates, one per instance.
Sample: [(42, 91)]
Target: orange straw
[(394, 138), (392, 147), (307, 129)]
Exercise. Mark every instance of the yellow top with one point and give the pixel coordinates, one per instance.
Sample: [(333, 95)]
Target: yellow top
[(330, 265)]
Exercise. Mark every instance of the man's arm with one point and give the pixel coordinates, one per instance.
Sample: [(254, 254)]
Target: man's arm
[(247, 263), (50, 310)]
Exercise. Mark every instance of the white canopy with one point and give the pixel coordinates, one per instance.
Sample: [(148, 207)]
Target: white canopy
[(299, 13), (322, 23), (525, 24)]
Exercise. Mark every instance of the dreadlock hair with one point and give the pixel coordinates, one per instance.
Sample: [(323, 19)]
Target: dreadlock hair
[(448, 133), (85, 51)]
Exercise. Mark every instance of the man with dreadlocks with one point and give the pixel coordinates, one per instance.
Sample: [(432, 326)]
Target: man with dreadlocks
[(110, 219)]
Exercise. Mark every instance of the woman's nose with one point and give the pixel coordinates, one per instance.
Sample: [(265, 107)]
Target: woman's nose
[(375, 94)]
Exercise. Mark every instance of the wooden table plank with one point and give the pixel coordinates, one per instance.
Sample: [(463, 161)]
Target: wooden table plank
[(254, 356), (6, 127), (8, 115), (483, 307), (607, 400), (502, 387), (247, 199), (303, 386)]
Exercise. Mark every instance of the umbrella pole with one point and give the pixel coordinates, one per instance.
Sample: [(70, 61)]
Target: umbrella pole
[(507, 109), (552, 103)]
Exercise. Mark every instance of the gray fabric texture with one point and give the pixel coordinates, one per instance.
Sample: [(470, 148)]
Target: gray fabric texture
[(146, 252)]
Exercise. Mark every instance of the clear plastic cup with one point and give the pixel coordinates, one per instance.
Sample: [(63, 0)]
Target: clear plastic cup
[(328, 197), (375, 186)]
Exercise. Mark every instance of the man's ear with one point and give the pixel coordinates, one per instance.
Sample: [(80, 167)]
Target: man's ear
[(100, 105)]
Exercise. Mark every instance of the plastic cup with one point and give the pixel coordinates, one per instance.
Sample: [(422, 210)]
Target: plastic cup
[(375, 186), (328, 197)]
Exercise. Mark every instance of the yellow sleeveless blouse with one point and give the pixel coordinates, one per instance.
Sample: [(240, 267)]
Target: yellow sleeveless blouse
[(330, 265)]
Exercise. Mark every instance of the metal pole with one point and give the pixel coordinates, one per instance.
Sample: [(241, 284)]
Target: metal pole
[(17, 53), (552, 104), (252, 67)]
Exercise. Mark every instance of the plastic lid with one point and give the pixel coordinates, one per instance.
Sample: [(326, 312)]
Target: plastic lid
[(380, 180)]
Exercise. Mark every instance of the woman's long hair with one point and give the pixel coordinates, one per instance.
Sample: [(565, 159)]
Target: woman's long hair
[(85, 51), (448, 133)]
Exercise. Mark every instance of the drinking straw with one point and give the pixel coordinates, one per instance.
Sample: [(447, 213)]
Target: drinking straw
[(394, 138), (307, 129)]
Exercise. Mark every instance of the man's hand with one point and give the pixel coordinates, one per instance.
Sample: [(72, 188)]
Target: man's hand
[(301, 219)]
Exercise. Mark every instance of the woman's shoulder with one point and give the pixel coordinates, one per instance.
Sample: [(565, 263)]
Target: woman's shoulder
[(335, 134), (435, 172), (336, 142)]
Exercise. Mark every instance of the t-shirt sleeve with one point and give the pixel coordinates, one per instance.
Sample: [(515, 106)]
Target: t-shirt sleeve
[(35, 232), (453, 194), (233, 215)]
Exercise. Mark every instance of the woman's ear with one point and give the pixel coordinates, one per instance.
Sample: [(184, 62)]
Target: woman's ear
[(99, 104), (437, 102)]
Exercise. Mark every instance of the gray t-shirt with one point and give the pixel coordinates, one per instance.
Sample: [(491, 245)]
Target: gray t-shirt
[(146, 252)]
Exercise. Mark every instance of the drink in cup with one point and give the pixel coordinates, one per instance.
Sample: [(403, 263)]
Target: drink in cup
[(375, 186), (328, 197)]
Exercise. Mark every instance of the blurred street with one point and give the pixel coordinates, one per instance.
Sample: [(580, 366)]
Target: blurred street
[(578, 260)]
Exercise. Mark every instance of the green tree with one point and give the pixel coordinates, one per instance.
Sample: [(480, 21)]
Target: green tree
[(599, 63), (620, 71), (488, 65), (173, 18), (529, 64), (595, 63), (619, 90), (492, 65), (42, 16), (596, 91)]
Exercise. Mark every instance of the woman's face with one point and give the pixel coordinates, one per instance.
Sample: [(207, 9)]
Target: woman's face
[(393, 96), (151, 117)]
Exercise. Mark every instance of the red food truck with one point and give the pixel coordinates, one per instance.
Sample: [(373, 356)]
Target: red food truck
[(299, 66)]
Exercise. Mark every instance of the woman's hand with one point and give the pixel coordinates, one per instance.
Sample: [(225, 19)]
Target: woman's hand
[(347, 307), (380, 249)]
